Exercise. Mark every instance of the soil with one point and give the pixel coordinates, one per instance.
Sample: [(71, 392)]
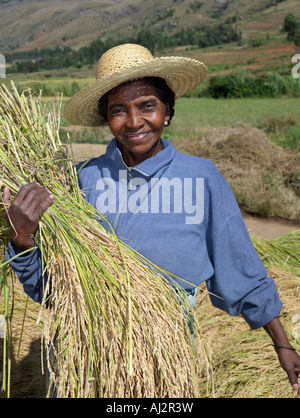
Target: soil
[(83, 152), (267, 228)]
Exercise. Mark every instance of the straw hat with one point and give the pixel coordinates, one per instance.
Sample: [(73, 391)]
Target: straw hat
[(128, 62)]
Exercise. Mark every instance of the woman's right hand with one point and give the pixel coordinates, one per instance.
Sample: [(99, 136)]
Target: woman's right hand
[(24, 214)]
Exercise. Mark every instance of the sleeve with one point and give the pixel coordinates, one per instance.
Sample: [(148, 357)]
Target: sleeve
[(240, 282), (29, 270)]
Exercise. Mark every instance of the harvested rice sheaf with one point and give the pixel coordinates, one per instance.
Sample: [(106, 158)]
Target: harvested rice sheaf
[(113, 326), (245, 364), (282, 252)]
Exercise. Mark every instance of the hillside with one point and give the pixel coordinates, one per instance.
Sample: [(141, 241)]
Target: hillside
[(29, 24)]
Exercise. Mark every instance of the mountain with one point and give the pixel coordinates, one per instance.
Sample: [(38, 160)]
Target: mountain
[(29, 24)]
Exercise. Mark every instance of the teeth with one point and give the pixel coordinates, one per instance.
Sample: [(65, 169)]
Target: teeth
[(135, 135)]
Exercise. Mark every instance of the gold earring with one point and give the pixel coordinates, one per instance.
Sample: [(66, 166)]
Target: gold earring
[(166, 123)]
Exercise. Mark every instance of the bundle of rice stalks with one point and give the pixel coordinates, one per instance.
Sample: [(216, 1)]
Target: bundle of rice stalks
[(114, 327)]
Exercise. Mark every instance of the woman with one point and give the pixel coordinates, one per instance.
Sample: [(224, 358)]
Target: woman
[(176, 210)]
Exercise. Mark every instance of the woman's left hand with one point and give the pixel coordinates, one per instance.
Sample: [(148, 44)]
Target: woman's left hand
[(288, 358), (290, 362)]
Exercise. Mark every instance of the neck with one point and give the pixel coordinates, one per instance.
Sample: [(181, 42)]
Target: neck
[(132, 159)]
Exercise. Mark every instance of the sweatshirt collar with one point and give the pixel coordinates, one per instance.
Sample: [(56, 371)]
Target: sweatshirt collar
[(148, 167)]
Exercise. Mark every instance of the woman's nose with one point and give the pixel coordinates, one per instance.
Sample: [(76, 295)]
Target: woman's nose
[(134, 120)]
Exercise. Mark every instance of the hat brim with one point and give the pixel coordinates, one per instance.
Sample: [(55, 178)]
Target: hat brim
[(181, 74)]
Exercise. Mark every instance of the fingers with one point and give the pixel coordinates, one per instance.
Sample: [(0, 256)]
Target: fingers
[(29, 205), (34, 198), (295, 385), (38, 200), (25, 191), (293, 373), (5, 201), (24, 214), (294, 380), (43, 202), (6, 196)]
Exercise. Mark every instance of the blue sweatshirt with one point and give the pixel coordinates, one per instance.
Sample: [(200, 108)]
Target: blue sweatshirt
[(179, 212)]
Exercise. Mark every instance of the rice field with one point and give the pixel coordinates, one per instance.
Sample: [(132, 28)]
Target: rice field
[(193, 115), (107, 343)]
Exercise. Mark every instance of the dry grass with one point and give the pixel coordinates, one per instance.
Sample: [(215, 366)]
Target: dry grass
[(245, 364), (259, 172)]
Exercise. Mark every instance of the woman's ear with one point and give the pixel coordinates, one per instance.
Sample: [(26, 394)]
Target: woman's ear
[(167, 119)]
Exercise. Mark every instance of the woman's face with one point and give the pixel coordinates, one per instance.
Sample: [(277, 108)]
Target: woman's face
[(136, 117)]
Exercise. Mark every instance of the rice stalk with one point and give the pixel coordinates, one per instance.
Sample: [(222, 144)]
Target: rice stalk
[(283, 251), (114, 327)]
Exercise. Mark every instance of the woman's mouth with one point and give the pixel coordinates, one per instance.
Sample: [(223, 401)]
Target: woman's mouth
[(137, 136)]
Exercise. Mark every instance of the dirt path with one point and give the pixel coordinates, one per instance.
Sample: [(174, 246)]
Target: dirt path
[(82, 152), (265, 228), (268, 228)]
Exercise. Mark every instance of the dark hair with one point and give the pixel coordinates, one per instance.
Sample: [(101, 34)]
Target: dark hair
[(164, 92)]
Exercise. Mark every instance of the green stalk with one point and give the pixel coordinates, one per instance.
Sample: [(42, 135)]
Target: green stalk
[(6, 369), (22, 327)]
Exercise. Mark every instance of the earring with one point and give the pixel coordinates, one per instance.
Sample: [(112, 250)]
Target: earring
[(166, 123)]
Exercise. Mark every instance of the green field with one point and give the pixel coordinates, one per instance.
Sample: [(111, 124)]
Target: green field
[(192, 115)]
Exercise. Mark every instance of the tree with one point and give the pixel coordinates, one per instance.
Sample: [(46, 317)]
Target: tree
[(146, 39), (290, 25), (297, 37)]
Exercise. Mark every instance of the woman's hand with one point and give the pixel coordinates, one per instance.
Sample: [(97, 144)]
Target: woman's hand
[(290, 362), (289, 359), (24, 214)]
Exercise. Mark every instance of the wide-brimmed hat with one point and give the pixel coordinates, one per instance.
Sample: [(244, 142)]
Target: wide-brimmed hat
[(128, 62)]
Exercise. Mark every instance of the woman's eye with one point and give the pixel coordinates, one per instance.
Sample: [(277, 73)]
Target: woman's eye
[(148, 106), (117, 111)]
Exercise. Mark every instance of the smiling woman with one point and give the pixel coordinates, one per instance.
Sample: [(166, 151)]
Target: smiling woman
[(214, 245)]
